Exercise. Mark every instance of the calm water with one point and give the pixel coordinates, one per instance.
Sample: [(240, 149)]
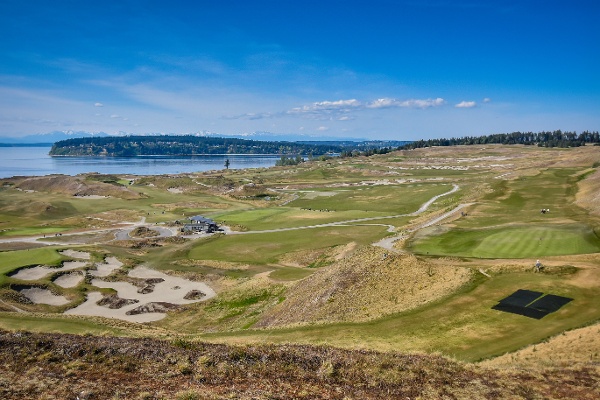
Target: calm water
[(36, 161)]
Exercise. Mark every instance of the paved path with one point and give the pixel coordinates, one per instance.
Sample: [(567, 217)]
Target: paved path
[(423, 208), (388, 243)]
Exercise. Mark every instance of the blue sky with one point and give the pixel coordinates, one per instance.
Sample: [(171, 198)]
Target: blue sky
[(385, 69)]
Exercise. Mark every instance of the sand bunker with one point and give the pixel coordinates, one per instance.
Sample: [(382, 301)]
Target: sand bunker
[(313, 195), (44, 296), (107, 267), (69, 280), (39, 272), (161, 293), (90, 196), (82, 255)]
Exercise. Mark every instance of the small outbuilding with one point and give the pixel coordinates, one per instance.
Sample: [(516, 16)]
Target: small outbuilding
[(198, 223)]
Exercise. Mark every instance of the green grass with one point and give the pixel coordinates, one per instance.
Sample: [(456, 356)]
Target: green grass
[(395, 199), (11, 260), (283, 217), (507, 223), (511, 242), (37, 209), (520, 201), (290, 273), (31, 231), (462, 326), (265, 248)]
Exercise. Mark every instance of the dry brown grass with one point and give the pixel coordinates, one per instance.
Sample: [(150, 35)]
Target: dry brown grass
[(73, 186), (368, 284), (588, 195), (578, 348), (47, 366), (305, 258), (199, 205), (222, 265)]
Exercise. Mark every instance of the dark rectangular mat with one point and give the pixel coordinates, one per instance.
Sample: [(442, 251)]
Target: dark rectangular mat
[(521, 298), (525, 311), (550, 303)]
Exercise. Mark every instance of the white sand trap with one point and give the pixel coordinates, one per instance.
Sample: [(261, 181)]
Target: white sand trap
[(91, 308), (69, 280), (314, 195), (82, 255), (69, 265), (39, 272), (91, 197), (33, 273), (44, 296), (107, 267), (171, 290), (175, 190)]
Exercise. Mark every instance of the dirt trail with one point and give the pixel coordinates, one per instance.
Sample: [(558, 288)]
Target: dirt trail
[(388, 243)]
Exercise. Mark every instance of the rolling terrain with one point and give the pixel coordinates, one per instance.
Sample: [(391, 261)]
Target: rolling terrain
[(360, 277)]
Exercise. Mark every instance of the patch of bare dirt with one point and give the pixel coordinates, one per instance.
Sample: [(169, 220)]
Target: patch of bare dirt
[(155, 307), (114, 302), (194, 295), (143, 232)]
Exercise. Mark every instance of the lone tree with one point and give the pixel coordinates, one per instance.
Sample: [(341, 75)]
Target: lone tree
[(227, 163)]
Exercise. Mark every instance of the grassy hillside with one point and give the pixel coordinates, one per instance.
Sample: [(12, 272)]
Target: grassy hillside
[(299, 261)]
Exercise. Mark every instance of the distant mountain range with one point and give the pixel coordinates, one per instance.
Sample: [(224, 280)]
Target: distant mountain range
[(49, 138), (52, 137)]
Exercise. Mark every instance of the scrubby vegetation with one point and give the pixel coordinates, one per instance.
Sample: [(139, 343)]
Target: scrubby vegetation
[(65, 366)]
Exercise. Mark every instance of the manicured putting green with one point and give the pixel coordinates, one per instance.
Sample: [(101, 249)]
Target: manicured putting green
[(512, 242)]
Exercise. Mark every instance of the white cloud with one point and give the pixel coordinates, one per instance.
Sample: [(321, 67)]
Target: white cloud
[(383, 103), (487, 100), (98, 105), (250, 116), (466, 104), (115, 116), (327, 107), (411, 103), (339, 109), (416, 103), (324, 109), (322, 128)]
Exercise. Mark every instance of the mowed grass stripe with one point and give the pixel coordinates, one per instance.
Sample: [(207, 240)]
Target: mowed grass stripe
[(513, 242)]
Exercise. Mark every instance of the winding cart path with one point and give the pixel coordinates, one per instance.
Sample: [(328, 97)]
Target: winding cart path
[(123, 233)]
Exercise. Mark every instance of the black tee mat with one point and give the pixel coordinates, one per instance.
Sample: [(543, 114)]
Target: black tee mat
[(531, 304)]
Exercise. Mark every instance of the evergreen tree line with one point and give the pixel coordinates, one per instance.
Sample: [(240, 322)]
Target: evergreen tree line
[(284, 160), (556, 138), (366, 153)]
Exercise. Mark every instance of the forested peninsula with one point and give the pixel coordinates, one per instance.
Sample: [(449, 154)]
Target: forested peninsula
[(172, 145), (186, 145)]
